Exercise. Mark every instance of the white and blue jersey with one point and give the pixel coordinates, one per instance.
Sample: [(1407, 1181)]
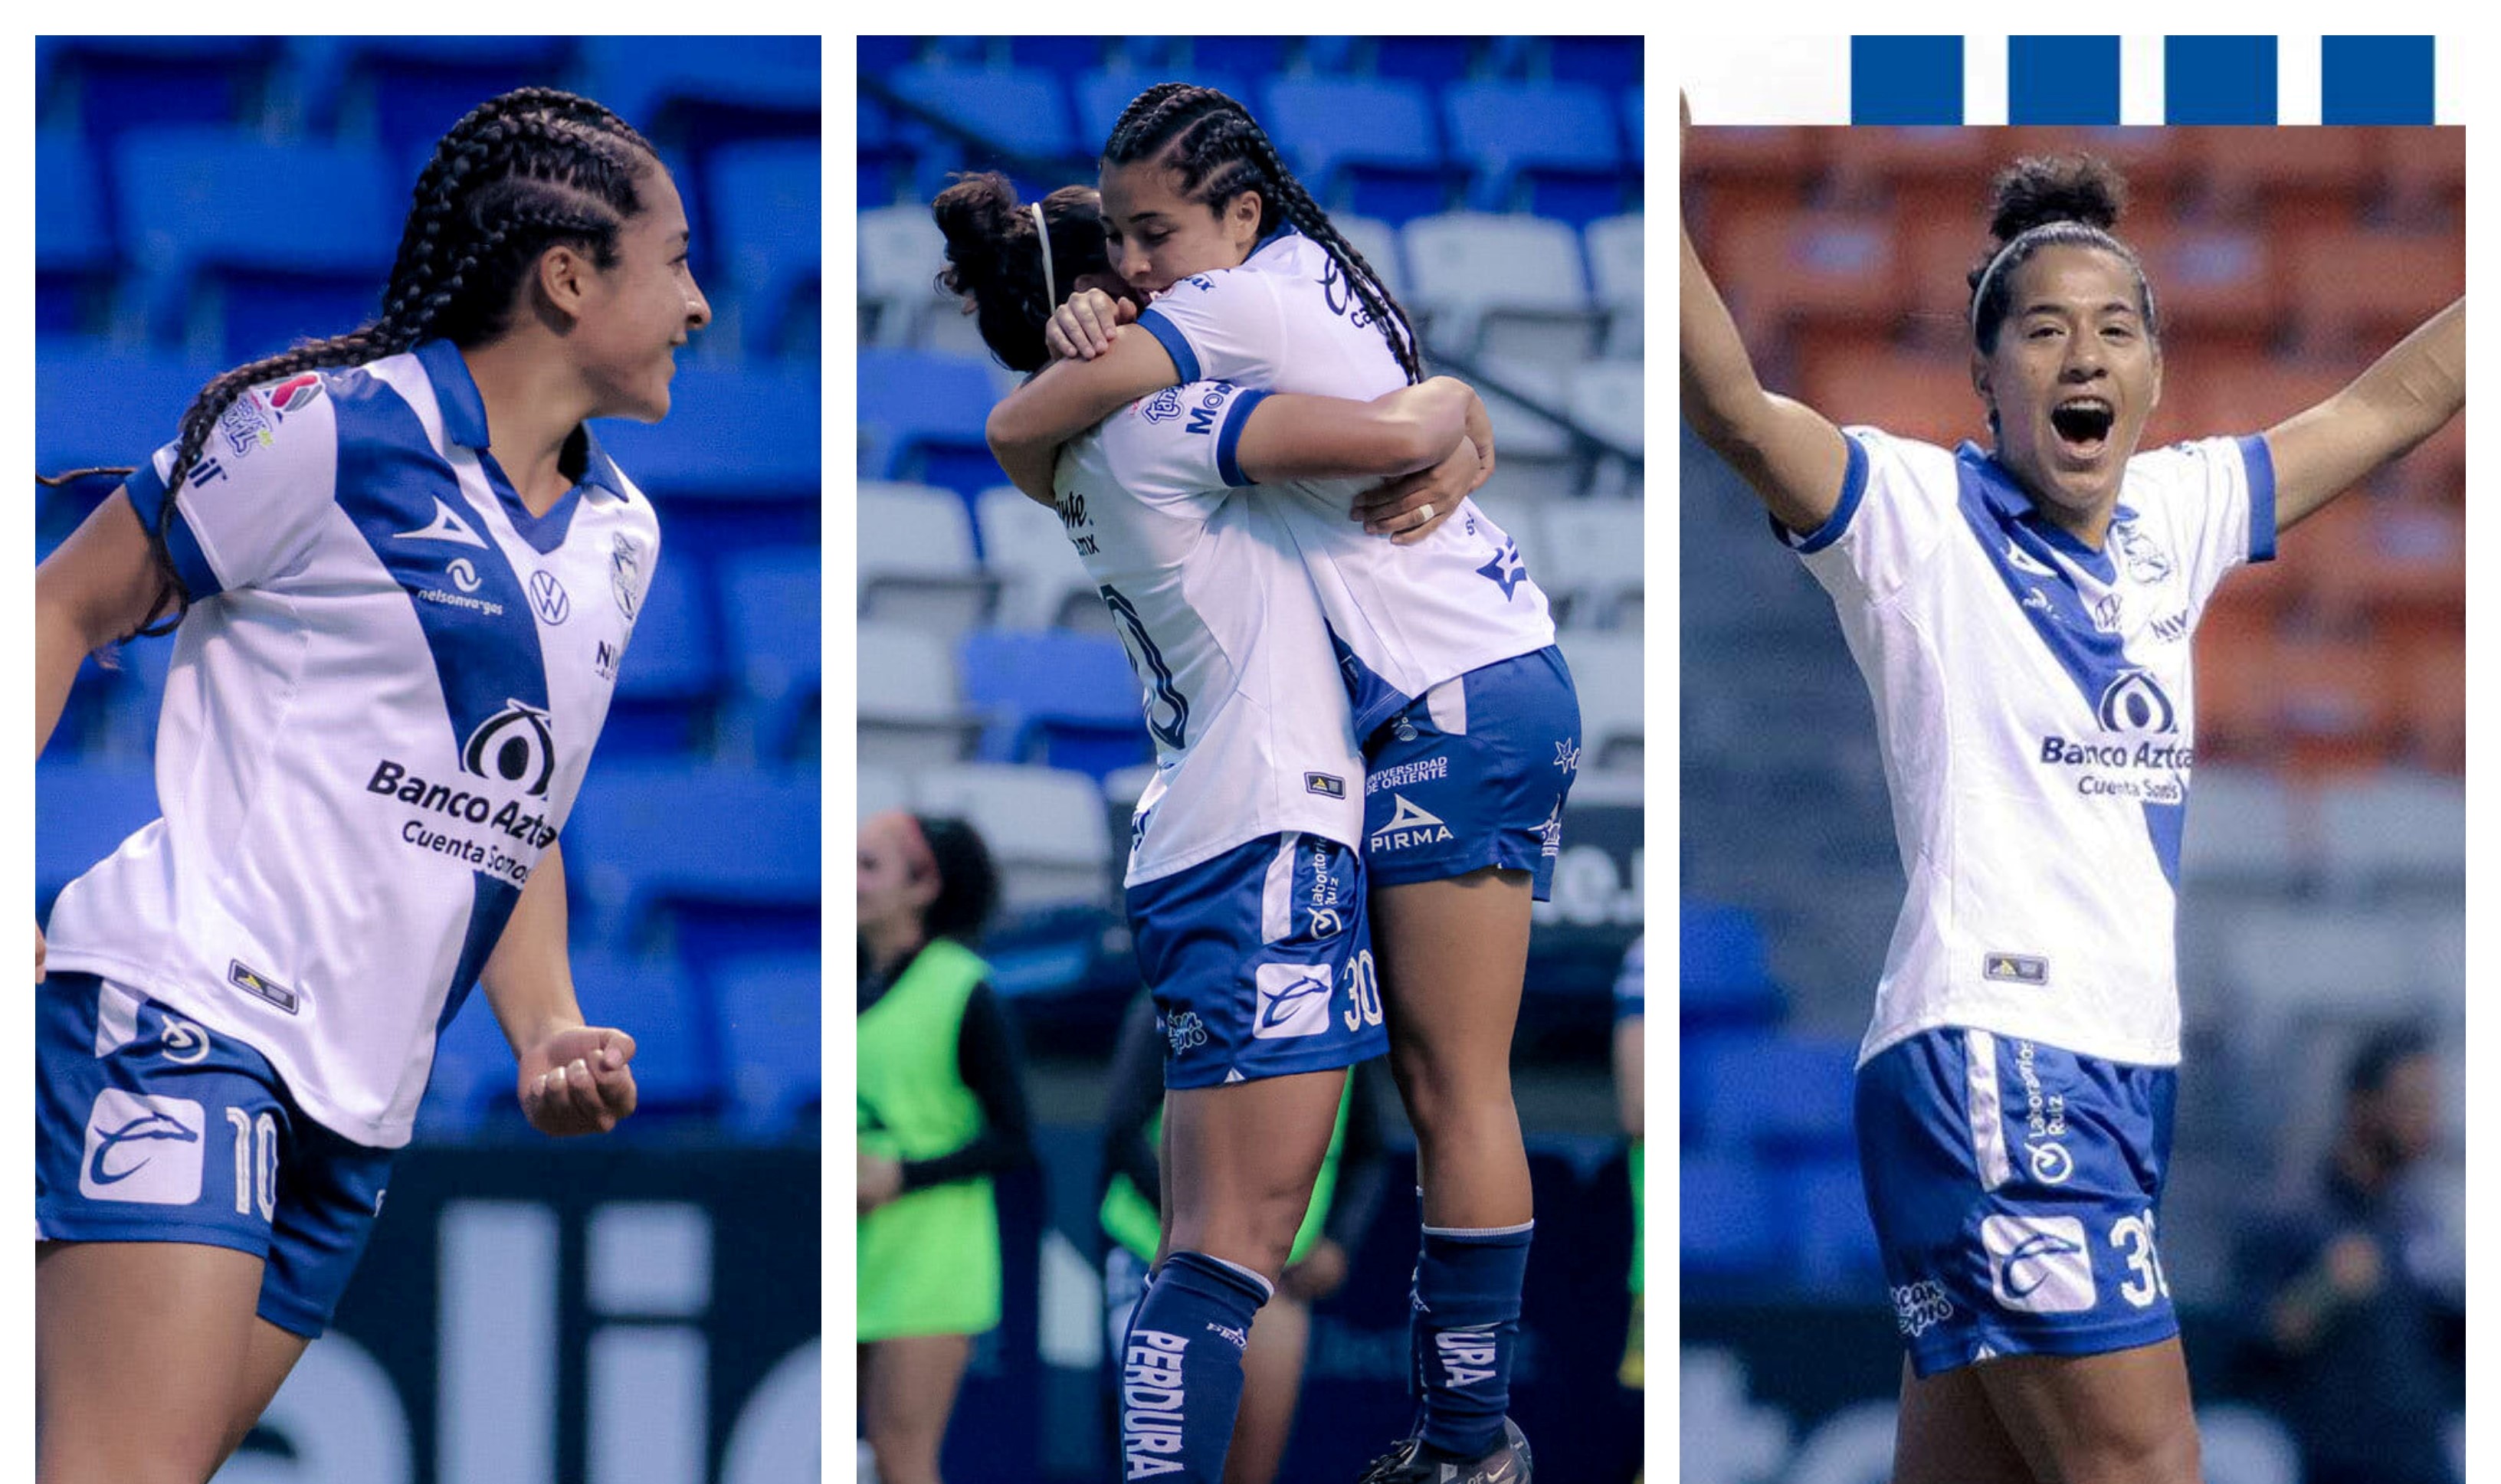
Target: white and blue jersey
[(1404, 618), (381, 707), (2036, 716), (1236, 675)]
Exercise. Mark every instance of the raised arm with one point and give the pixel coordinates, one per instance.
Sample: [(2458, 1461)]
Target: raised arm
[(1068, 397), (1791, 455), (2401, 400)]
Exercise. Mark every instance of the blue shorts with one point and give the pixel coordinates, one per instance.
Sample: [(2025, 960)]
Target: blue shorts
[(2013, 1188), (1260, 962), (151, 1127), (1474, 774)]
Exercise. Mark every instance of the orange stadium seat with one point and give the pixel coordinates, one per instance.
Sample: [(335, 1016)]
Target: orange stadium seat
[(1916, 394), (2424, 171), (2236, 645), (2361, 291), (1936, 256), (1733, 174), (1939, 173), (2240, 395), (2211, 284), (1781, 269), (2391, 564), (2337, 700), (2433, 670), (2285, 177), (2435, 474)]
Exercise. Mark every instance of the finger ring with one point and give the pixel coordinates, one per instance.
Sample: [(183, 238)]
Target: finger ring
[(1426, 510)]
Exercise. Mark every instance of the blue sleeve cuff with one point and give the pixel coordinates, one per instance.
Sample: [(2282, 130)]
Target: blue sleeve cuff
[(147, 495), (1175, 345), (1854, 489), (1228, 438), (2259, 460)]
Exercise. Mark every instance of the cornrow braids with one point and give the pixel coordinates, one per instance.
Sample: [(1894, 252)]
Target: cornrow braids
[(518, 174), (1221, 152)]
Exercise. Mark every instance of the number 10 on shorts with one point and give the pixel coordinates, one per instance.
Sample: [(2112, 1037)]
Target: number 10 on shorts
[(1363, 991), (255, 1162)]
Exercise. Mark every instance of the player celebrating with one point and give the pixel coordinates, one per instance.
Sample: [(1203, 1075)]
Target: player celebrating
[(2022, 615), (1469, 722), (377, 719), (1246, 879)]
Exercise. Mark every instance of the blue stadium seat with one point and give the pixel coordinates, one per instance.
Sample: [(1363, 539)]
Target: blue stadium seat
[(246, 245), (1250, 56), (405, 92), (669, 678), (74, 256), (473, 1078), (771, 1028), (1549, 150), (1781, 1094), (1609, 61), (1825, 1203), (1102, 96), (1636, 131), (1059, 699), (106, 86), (766, 202), (105, 406), (701, 92), (880, 55), (646, 836), (82, 814), (1369, 146), (922, 417), (731, 435), (1724, 969), (1062, 54), (773, 600), (656, 1000), (1727, 1225), (1020, 111), (1436, 61)]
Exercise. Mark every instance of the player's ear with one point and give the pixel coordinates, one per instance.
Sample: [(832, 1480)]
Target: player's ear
[(563, 280), (1979, 382), (1242, 217)]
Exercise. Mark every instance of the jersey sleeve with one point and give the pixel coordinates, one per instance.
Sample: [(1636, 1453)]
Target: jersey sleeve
[(263, 483), (1224, 326), (2218, 496), (1897, 496), (1182, 443)]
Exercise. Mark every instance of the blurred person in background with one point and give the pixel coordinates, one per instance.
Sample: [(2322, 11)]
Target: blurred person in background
[(942, 1114), (1630, 988), (267, 965), (2021, 615), (1466, 711), (2347, 1288), (1246, 884), (1344, 1201)]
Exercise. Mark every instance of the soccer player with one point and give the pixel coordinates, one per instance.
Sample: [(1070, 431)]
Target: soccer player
[(1246, 882), (395, 556), (2022, 613), (942, 1114), (1469, 722)]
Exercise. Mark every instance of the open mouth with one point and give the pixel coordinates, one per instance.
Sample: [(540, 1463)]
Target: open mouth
[(2084, 424)]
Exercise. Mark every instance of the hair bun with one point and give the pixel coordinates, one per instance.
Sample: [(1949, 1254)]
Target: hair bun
[(2039, 190), (975, 214)]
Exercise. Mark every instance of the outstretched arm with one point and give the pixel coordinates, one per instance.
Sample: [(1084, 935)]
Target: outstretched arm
[(1791, 455), (2401, 400), (1068, 397)]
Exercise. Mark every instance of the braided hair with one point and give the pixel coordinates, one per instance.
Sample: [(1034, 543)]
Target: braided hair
[(520, 173), (1221, 152)]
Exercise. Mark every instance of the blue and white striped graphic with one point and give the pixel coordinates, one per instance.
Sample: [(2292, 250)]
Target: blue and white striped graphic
[(2292, 78)]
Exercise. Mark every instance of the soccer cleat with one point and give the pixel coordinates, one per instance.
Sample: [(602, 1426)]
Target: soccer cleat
[(1407, 1464)]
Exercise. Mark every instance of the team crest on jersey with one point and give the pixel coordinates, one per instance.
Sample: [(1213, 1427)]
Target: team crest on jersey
[(2134, 705), (1506, 571), (514, 745), (2146, 561), (625, 576)]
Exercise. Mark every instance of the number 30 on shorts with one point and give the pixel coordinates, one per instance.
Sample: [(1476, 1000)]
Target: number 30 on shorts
[(1363, 988), (2135, 1234), (256, 1160)]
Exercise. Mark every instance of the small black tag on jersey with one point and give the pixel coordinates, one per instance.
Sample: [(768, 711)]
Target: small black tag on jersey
[(253, 981), (2015, 968), (1326, 785)]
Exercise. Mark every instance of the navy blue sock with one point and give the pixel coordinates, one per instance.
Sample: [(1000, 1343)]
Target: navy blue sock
[(1467, 1303), (1180, 1368)]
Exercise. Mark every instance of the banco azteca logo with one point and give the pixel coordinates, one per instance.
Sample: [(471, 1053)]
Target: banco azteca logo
[(2134, 705), (514, 745)]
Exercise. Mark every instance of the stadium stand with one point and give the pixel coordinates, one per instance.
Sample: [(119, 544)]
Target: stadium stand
[(202, 200)]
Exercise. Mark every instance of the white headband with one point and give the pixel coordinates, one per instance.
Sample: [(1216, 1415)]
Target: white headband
[(2106, 240), (1049, 280)]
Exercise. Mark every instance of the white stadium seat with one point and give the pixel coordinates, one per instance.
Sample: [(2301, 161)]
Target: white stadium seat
[(1046, 828), (882, 788), (2240, 831), (2392, 831), (1606, 399), (1606, 674), (1593, 556), (1535, 457), (911, 710), (916, 560), (1616, 279), (1502, 285), (1042, 582)]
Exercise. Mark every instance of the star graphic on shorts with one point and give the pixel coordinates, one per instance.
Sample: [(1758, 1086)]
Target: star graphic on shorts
[(1567, 755)]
